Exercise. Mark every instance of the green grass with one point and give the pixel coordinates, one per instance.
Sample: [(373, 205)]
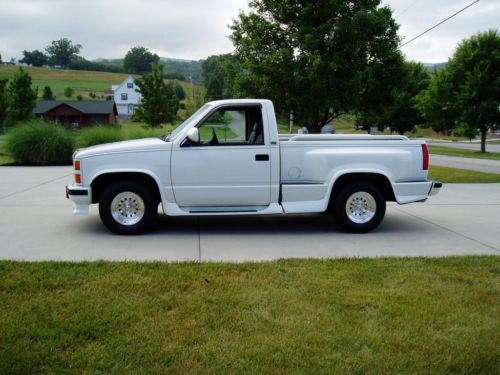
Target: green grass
[(449, 151), (454, 175), (83, 82), (365, 316)]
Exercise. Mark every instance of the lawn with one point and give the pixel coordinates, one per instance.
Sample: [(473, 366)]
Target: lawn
[(295, 316), (449, 151), (450, 175), (83, 82)]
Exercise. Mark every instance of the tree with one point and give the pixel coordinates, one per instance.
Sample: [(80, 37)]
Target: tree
[(4, 103), (62, 51), (318, 59), (437, 103), (217, 77), (68, 92), (402, 113), (159, 103), (22, 96), (34, 58), (179, 91), (47, 93), (139, 60), (475, 68)]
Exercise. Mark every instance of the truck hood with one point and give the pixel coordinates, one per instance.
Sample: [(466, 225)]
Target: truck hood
[(146, 144)]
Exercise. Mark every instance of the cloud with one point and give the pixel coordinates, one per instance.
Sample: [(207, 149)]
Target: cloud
[(195, 29)]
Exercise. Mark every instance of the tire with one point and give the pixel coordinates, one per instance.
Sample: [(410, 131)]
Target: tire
[(359, 207), (128, 207)]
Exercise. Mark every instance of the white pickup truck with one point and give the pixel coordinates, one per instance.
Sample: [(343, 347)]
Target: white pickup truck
[(228, 159)]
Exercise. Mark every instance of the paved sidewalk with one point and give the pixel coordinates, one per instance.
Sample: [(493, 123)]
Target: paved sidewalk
[(37, 224)]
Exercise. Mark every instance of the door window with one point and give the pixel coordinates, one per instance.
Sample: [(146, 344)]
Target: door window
[(233, 126)]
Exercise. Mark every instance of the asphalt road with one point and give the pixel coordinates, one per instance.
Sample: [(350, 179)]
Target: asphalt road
[(37, 224), (490, 147), (481, 165)]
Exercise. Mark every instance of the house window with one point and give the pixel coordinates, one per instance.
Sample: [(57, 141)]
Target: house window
[(130, 85), (124, 96)]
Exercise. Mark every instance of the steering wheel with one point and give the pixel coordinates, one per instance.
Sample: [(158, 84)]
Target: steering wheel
[(214, 140)]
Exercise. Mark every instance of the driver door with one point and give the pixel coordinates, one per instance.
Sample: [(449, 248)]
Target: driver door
[(230, 166)]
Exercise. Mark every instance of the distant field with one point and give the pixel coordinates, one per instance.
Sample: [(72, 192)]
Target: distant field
[(83, 82)]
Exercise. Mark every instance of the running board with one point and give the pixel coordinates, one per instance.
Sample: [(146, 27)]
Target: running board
[(172, 209)]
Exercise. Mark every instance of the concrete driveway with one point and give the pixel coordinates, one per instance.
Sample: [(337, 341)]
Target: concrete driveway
[(37, 224)]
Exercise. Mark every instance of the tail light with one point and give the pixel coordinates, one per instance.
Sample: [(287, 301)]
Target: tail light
[(425, 157)]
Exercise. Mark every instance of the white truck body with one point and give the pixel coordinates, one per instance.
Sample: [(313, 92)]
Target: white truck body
[(267, 174)]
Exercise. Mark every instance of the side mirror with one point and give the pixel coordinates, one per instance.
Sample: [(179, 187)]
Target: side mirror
[(193, 135)]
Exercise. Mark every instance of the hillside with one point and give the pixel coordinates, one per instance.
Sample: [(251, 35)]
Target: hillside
[(83, 82), (188, 68)]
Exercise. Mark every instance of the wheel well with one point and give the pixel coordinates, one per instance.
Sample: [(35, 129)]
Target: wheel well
[(101, 182), (378, 180)]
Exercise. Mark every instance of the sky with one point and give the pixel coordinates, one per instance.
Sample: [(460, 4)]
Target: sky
[(195, 29)]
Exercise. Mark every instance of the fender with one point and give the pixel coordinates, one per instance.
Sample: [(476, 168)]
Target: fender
[(135, 170)]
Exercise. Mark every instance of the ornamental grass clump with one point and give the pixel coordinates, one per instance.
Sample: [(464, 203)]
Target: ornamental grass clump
[(40, 143), (97, 135)]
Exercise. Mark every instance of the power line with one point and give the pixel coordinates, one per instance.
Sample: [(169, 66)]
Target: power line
[(405, 9), (440, 23)]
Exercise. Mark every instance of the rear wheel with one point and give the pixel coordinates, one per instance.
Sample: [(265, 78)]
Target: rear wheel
[(359, 207), (127, 207)]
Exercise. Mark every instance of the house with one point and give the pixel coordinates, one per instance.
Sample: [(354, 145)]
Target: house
[(76, 113), (126, 97)]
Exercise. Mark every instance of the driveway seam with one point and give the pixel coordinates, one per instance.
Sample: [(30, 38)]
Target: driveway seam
[(447, 229), (34, 187)]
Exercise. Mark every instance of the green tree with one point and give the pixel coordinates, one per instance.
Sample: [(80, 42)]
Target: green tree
[(68, 92), (22, 96), (159, 103), (402, 114), (62, 51), (475, 68), (34, 58), (217, 76), (179, 91), (4, 103), (438, 104), (139, 60), (319, 59), (47, 93)]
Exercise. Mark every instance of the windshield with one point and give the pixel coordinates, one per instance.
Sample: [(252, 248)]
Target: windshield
[(181, 126)]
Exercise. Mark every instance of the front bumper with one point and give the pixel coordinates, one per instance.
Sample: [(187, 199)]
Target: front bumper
[(81, 197)]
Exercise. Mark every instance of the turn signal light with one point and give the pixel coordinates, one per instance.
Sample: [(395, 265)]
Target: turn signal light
[(78, 178), (76, 164)]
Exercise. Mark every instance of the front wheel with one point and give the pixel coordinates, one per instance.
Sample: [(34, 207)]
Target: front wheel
[(127, 207), (359, 207)]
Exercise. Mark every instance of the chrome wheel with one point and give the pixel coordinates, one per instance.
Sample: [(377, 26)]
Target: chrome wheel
[(127, 208), (360, 207)]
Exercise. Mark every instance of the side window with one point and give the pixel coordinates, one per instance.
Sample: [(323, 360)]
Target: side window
[(130, 85), (233, 126), (124, 96)]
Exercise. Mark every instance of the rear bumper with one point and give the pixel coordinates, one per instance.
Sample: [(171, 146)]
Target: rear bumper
[(81, 197), (417, 191)]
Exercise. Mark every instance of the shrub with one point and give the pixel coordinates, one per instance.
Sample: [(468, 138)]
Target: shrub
[(40, 143), (98, 135)]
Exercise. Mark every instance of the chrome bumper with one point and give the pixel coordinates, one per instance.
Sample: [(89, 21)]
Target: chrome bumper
[(81, 197)]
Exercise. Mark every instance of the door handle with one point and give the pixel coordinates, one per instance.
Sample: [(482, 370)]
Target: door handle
[(262, 157)]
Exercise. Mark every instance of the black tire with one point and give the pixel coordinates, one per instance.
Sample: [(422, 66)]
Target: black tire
[(354, 218), (128, 191)]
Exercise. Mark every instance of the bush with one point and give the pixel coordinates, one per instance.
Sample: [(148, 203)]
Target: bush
[(40, 143), (98, 135)]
